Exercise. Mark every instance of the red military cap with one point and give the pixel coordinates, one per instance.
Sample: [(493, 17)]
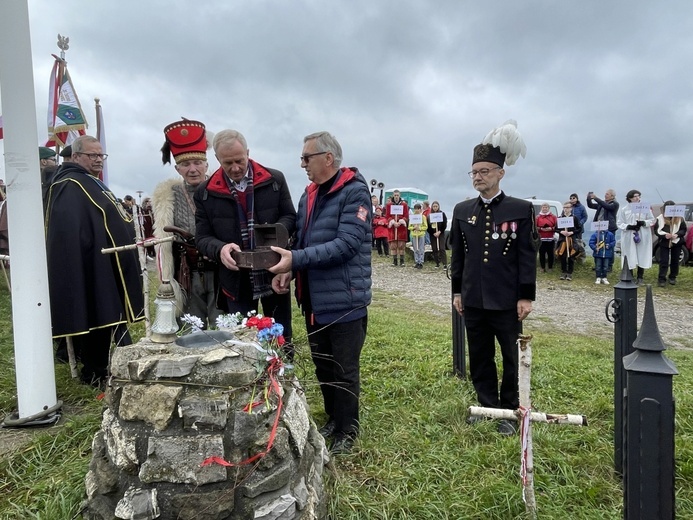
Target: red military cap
[(186, 140)]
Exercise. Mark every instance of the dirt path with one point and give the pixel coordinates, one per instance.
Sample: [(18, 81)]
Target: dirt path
[(571, 306)]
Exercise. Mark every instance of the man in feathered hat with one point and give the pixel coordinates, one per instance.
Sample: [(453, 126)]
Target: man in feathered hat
[(493, 264), (192, 275)]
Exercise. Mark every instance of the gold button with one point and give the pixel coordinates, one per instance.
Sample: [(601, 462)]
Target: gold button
[(485, 260), (485, 253)]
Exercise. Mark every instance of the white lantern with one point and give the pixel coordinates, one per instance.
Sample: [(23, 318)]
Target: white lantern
[(165, 325)]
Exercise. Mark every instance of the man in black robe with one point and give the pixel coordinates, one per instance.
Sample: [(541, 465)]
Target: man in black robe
[(93, 295)]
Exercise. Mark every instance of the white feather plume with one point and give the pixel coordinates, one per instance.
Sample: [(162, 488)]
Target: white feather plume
[(508, 139)]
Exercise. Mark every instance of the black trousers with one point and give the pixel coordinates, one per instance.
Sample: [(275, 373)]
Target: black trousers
[(669, 259), (483, 328), (336, 352), (546, 253)]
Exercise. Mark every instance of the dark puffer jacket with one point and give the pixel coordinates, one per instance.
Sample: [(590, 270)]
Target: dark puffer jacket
[(333, 245), (216, 215)]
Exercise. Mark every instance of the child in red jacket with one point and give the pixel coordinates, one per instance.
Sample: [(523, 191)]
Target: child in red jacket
[(380, 232)]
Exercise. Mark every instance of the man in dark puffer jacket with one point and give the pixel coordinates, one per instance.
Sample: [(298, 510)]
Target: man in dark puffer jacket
[(332, 263)]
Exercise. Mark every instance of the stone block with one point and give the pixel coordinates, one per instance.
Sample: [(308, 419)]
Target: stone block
[(178, 460), (296, 420), (218, 354), (210, 505), (263, 482), (138, 504), (120, 444), (102, 477), (282, 508), (204, 413), (175, 367), (153, 404), (122, 356)]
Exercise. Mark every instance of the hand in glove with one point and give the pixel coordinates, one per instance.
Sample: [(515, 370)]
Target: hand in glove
[(641, 223), (632, 227)]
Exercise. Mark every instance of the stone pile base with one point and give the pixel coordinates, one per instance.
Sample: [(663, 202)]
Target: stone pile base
[(170, 408)]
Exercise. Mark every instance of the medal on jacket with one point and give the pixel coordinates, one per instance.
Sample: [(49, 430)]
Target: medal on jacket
[(504, 229), (495, 233), (513, 226)]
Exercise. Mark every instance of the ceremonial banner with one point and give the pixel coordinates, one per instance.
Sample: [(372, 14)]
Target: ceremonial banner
[(66, 120), (0, 127), (101, 136)]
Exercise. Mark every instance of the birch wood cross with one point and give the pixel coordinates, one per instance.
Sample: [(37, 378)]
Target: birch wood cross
[(526, 417)]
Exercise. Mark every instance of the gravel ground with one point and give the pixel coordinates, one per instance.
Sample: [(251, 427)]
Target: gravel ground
[(562, 304)]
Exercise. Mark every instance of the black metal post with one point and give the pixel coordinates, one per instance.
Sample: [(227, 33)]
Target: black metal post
[(648, 464), (459, 363), (624, 316)]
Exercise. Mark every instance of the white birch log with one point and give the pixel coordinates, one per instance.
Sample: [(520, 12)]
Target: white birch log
[(512, 415), (71, 358), (142, 254), (524, 345), (143, 244)]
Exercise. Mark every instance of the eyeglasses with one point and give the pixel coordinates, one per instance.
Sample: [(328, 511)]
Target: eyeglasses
[(483, 172), (54, 159), (94, 156), (306, 158)]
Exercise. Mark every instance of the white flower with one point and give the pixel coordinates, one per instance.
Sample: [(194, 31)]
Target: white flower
[(229, 321), (193, 321)]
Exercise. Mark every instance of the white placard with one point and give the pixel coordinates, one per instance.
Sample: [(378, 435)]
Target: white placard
[(435, 217), (396, 209), (566, 222), (600, 225), (415, 219), (675, 211), (639, 207)]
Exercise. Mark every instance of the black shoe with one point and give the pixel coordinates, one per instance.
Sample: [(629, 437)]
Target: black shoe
[(475, 419), (661, 284), (343, 444), (672, 281), (507, 428), (329, 428)]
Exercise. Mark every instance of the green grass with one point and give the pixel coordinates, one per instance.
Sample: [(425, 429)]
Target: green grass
[(416, 458)]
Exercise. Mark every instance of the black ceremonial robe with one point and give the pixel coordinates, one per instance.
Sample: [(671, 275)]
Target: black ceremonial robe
[(89, 290)]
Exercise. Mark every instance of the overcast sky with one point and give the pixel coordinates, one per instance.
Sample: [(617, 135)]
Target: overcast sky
[(602, 91)]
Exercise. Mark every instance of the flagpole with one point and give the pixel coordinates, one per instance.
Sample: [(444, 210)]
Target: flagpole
[(33, 347)]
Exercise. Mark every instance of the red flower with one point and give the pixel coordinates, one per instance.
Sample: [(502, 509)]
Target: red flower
[(280, 340)]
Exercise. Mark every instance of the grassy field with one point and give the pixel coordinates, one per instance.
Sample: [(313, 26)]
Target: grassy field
[(416, 458)]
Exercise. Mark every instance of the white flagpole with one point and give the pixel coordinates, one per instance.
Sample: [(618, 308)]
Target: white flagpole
[(33, 348)]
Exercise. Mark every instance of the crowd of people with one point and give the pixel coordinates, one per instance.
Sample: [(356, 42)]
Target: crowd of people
[(634, 221), (213, 217)]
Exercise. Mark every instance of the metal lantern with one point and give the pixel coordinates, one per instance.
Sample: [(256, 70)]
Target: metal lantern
[(165, 325)]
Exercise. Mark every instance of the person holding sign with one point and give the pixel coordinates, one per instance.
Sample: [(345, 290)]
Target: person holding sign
[(602, 244), (670, 227), (635, 220), (437, 224), (397, 215), (566, 247), (417, 227)]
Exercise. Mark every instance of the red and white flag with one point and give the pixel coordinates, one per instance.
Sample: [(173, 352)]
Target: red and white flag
[(66, 121), (101, 136)]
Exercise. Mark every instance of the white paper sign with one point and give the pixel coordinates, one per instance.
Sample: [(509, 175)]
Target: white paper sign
[(396, 209), (639, 207), (415, 219), (600, 225), (566, 222), (437, 217), (675, 211)]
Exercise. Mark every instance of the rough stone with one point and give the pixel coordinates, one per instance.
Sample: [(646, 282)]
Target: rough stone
[(280, 449), (102, 477), (300, 492), (178, 460), (138, 504), (204, 413), (296, 420), (122, 356), (262, 482), (283, 508), (245, 426), (120, 444), (175, 367), (213, 505), (218, 354), (153, 404)]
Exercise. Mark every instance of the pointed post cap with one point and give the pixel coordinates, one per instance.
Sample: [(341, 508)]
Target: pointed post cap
[(648, 336)]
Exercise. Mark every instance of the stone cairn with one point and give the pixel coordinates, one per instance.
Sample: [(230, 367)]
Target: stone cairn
[(175, 416)]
